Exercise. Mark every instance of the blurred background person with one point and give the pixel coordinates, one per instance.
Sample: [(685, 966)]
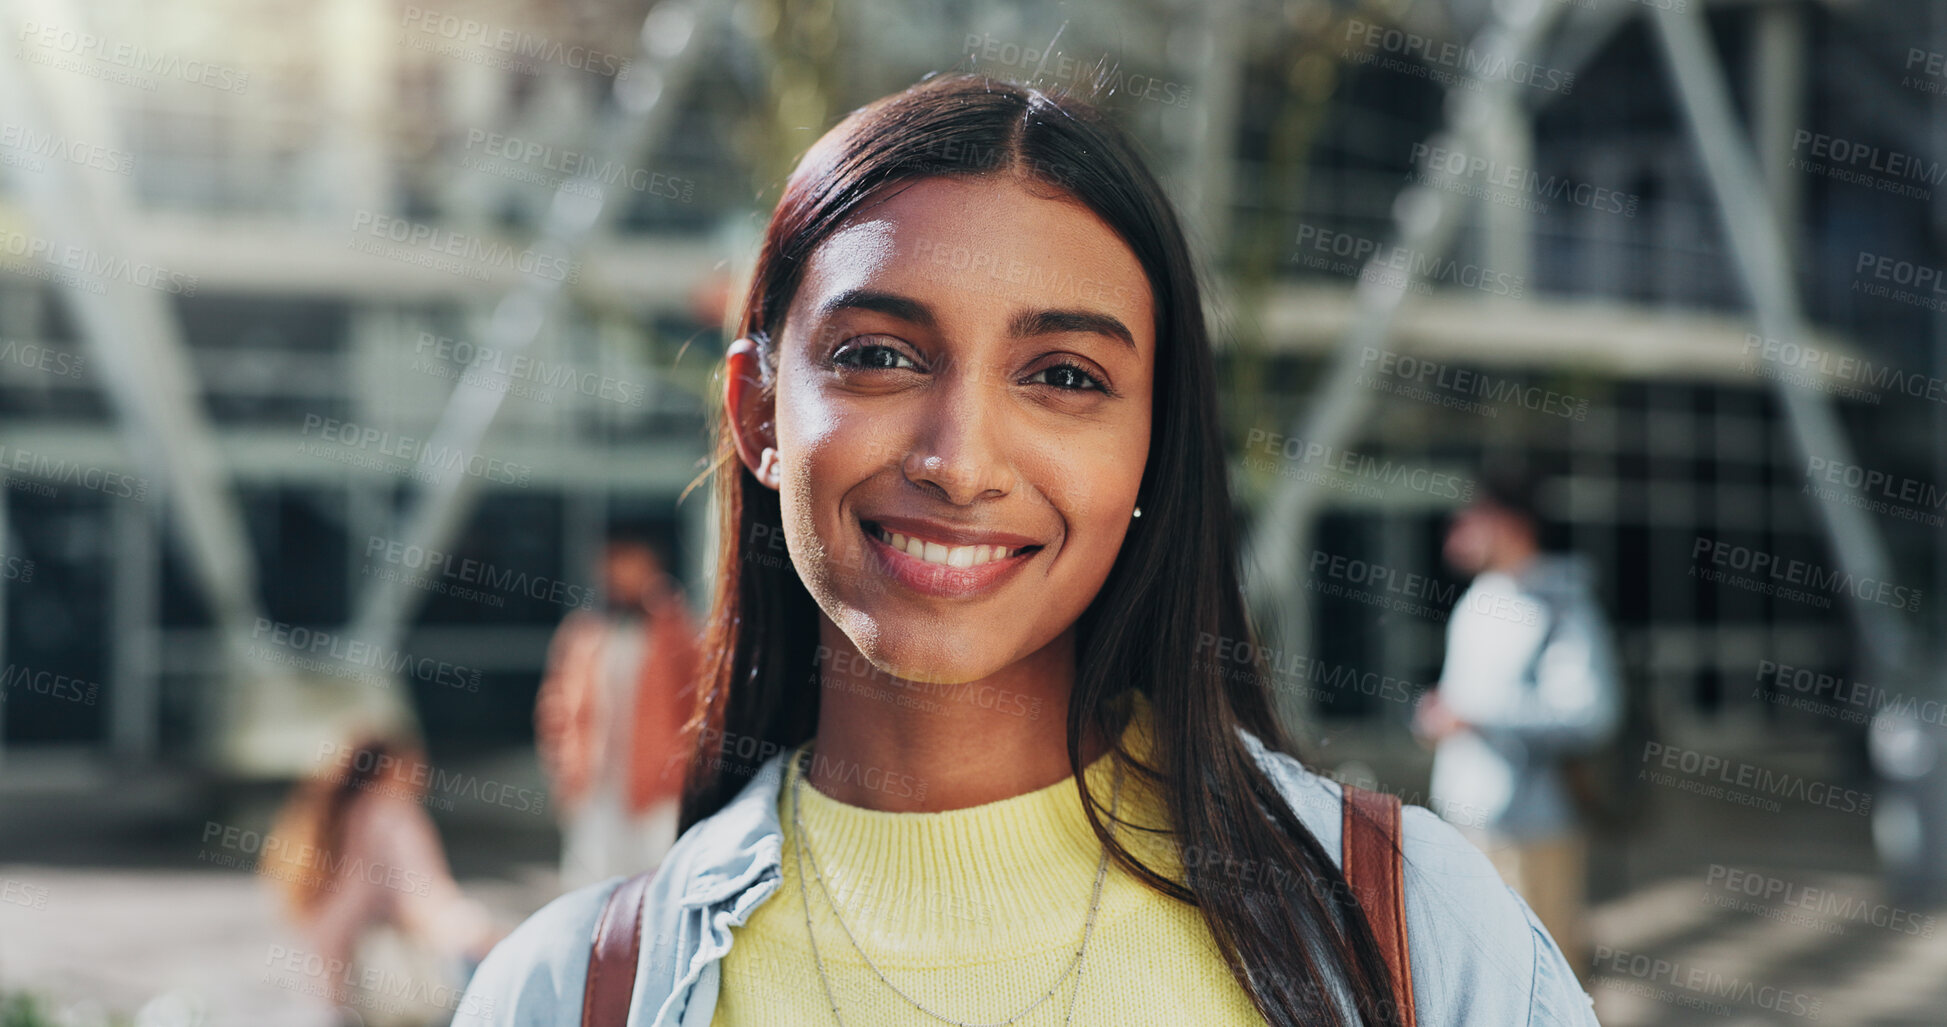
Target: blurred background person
[(238, 307), (1529, 682), (609, 717), (361, 871)]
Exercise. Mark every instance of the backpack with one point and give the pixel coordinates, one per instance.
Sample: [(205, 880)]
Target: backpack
[(1370, 856), (1601, 780)]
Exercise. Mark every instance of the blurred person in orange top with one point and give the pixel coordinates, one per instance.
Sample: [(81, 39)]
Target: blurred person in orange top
[(362, 873), (610, 716)]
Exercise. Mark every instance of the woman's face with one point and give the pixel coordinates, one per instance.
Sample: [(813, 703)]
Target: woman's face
[(962, 419)]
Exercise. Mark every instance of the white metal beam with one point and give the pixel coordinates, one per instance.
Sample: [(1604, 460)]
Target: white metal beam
[(141, 359), (1428, 216)]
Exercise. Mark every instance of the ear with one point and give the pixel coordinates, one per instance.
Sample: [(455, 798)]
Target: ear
[(752, 415)]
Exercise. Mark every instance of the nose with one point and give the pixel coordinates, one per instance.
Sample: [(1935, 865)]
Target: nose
[(962, 451)]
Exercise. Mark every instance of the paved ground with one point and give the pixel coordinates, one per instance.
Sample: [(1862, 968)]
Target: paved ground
[(1727, 916)]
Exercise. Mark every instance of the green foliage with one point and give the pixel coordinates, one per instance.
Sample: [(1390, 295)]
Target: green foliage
[(22, 1009)]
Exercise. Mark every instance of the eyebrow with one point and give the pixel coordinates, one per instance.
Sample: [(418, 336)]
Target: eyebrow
[(1022, 325), (890, 304), (1055, 322)]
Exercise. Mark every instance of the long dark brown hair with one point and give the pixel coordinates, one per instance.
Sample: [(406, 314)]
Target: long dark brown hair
[(1174, 587)]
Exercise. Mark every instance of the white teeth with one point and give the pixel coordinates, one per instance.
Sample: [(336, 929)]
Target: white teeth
[(933, 552)]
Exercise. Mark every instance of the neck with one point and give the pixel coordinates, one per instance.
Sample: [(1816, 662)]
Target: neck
[(1515, 558), (969, 743)]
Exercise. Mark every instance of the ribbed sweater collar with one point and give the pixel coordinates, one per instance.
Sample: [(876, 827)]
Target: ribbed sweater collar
[(1007, 877)]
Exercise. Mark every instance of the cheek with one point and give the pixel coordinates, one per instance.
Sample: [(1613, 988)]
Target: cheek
[(826, 450), (1094, 488)]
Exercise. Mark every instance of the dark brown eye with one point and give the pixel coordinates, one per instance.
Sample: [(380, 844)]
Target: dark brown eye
[(1070, 378), (873, 357)]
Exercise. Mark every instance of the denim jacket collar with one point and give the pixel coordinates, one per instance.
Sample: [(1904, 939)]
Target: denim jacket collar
[(1494, 962), (738, 845)]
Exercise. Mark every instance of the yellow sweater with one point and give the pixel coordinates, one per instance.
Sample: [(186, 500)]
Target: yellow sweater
[(974, 913)]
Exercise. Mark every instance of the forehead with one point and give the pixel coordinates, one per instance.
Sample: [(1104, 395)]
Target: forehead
[(985, 245)]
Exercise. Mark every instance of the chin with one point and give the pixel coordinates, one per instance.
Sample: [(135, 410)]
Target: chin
[(930, 665), (915, 651)]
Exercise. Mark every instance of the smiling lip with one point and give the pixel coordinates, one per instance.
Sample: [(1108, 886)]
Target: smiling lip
[(947, 535), (942, 579)]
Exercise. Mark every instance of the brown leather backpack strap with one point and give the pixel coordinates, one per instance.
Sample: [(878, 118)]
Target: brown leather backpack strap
[(612, 958), (1372, 860)]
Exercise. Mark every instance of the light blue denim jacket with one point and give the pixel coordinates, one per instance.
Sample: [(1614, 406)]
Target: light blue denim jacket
[(1479, 956)]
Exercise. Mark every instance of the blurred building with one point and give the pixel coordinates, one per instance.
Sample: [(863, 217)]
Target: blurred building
[(337, 198)]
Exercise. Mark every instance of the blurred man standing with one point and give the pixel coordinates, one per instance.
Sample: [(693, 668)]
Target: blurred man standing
[(609, 718), (1529, 680)]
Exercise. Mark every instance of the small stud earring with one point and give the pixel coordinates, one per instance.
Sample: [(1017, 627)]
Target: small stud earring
[(1139, 511)]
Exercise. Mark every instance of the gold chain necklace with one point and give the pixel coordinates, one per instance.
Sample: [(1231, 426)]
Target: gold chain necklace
[(804, 847)]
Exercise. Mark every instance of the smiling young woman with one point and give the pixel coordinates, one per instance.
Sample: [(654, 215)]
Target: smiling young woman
[(963, 752)]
